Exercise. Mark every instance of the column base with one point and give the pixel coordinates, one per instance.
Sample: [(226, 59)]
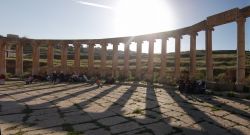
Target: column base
[(210, 84), (239, 87)]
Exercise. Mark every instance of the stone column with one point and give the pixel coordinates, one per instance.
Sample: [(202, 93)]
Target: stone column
[(209, 52), (2, 56), (163, 59), (91, 57), (50, 57), (192, 68), (126, 60), (35, 57), (115, 59), (177, 57), (241, 58), (19, 58), (138, 60), (64, 56), (150, 72), (77, 48), (103, 60)]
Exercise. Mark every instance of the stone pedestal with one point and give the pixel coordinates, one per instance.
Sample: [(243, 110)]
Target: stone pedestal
[(35, 58), (177, 57), (241, 57), (19, 58), (192, 68), (103, 60), (50, 57), (115, 59), (2, 56), (138, 60), (209, 52)]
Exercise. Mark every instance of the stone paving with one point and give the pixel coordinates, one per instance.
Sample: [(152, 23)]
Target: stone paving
[(82, 109)]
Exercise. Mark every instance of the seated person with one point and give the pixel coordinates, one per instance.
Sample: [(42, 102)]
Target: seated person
[(110, 80), (61, 77), (29, 80), (2, 79)]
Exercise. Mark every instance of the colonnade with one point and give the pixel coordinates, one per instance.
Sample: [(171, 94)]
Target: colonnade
[(192, 31)]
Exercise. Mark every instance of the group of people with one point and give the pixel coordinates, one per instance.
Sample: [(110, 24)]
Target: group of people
[(194, 86), (2, 79), (57, 77)]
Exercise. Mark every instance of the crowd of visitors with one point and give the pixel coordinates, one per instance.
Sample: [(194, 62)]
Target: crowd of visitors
[(188, 86), (58, 77)]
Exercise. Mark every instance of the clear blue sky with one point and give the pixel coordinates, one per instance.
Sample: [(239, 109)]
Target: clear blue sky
[(81, 19)]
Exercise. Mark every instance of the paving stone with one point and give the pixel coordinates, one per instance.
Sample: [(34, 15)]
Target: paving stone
[(124, 127), (160, 128), (240, 130), (100, 131), (241, 120), (74, 119), (112, 120), (84, 127)]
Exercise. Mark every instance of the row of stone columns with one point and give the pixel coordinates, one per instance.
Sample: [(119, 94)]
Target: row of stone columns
[(150, 66)]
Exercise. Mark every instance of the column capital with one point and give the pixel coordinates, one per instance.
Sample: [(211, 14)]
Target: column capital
[(240, 19), (193, 33), (177, 36), (209, 28)]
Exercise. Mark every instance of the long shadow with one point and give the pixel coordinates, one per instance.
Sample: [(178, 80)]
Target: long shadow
[(99, 95), (198, 116), (74, 94), (224, 106), (123, 99), (48, 93)]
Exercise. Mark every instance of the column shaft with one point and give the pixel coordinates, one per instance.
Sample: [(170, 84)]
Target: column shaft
[(163, 59), (19, 58), (35, 58), (64, 57), (2, 56), (115, 60), (126, 60), (138, 60), (50, 57), (77, 56), (177, 57), (209, 52), (91, 59), (241, 57), (103, 60), (192, 68), (150, 61)]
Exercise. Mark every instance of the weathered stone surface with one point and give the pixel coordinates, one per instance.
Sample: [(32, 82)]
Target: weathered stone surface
[(160, 128), (125, 127), (100, 131), (112, 120)]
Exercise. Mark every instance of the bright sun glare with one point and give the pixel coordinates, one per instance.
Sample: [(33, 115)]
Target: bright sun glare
[(135, 17)]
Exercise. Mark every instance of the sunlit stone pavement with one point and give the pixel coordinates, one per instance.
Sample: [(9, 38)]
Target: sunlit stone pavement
[(82, 109)]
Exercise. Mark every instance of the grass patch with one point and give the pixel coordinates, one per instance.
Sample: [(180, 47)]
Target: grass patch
[(215, 108), (19, 133), (231, 94), (11, 128), (67, 127), (73, 133), (138, 111), (78, 106)]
